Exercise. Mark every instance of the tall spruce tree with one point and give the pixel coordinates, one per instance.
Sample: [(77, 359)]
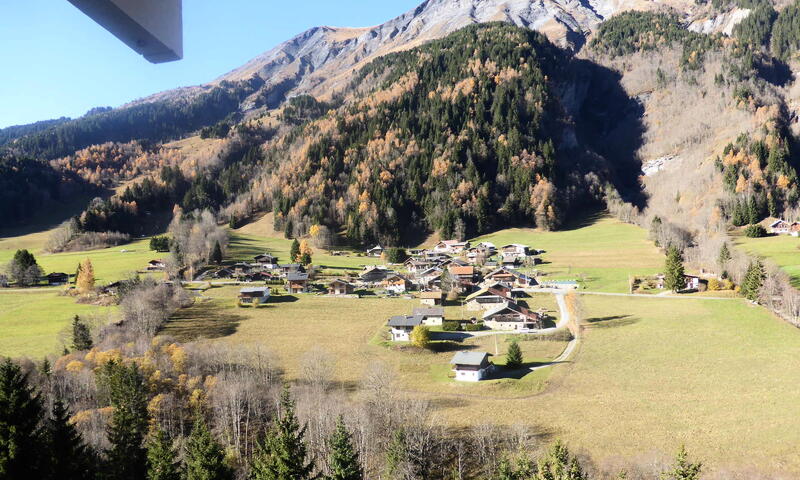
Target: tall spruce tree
[(282, 454), (513, 355), (294, 252), (216, 254), (22, 438), (343, 461), (68, 457), (673, 270), (126, 458), (205, 459), (162, 459), (81, 337), (724, 255), (753, 280)]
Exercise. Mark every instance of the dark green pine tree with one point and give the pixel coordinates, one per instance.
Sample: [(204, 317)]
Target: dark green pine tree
[(162, 461), (126, 458), (22, 439), (673, 270), (216, 254), (81, 337), (559, 465), (282, 454), (343, 461), (68, 457), (397, 455), (753, 280), (513, 355), (205, 459), (294, 253)]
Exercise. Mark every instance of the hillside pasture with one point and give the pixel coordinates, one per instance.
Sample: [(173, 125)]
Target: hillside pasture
[(782, 250), (32, 320), (602, 252)]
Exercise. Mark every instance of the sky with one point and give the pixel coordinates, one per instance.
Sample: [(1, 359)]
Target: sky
[(55, 61)]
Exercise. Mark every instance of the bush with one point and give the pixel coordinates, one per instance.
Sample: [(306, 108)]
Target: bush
[(451, 326), (713, 284), (421, 336), (473, 327), (755, 231), (396, 255)]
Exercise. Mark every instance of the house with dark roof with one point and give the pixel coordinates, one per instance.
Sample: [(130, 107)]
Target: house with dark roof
[(57, 278), (375, 251), (266, 260), (401, 326), (296, 282), (156, 265), (253, 296), (340, 286), (512, 316), (396, 283), (488, 298), (431, 316), (471, 366), (375, 274)]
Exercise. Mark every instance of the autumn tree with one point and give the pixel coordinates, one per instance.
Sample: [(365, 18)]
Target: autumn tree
[(85, 278), (421, 336)]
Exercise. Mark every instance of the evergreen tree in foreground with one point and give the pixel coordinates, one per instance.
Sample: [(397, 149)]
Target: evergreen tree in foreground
[(69, 458), (673, 270), (343, 461), (559, 465), (683, 468), (753, 279), (126, 458), (294, 252), (282, 454), (205, 459), (162, 461), (514, 355), (81, 337), (22, 440)]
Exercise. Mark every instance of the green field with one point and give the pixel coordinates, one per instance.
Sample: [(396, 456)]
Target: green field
[(33, 319), (782, 250), (603, 252)]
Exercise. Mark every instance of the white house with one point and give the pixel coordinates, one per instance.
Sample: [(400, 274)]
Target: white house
[(515, 249), (375, 251), (450, 246), (512, 316), (402, 325), (430, 315), (471, 366)]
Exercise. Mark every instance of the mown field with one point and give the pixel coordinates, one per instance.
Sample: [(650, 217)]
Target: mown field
[(782, 250), (353, 333), (602, 252)]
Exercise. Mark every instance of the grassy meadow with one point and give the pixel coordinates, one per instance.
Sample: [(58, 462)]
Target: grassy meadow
[(601, 252), (782, 250), (32, 320)]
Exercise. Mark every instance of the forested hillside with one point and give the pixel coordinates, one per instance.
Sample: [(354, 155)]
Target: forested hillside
[(459, 136)]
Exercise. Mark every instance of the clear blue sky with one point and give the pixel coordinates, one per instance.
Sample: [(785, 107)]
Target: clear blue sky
[(56, 61)]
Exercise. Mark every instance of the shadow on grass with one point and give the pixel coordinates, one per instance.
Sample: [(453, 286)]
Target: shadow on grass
[(502, 372), (202, 320), (282, 299), (612, 321), (444, 346), (583, 221), (241, 248)]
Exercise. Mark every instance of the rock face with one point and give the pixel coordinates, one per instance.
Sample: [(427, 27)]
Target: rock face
[(326, 55)]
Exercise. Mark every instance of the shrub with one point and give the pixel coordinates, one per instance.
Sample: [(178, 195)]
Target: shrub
[(473, 327), (755, 231), (396, 255), (421, 336), (513, 355), (451, 326), (713, 284)]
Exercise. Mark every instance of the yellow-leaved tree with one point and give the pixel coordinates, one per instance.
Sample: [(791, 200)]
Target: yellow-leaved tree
[(85, 280)]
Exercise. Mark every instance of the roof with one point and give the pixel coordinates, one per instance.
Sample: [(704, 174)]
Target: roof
[(340, 280), (429, 311), (266, 256), (462, 270), (405, 321), (508, 306), (515, 245), (430, 294), (776, 222), (261, 290), (396, 275), (487, 291), (469, 358), (296, 277)]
